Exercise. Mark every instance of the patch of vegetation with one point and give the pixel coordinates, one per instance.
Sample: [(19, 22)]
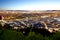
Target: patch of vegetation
[(14, 35)]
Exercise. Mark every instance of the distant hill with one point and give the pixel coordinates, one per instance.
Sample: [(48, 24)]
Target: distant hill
[(29, 10)]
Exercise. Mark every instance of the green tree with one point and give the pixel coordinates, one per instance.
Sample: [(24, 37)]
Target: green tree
[(56, 36), (12, 35)]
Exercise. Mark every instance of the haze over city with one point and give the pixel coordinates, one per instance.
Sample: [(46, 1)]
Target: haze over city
[(29, 4)]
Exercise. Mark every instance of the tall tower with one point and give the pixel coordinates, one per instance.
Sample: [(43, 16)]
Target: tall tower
[(2, 17)]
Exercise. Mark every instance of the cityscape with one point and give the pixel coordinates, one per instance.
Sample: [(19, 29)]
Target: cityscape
[(29, 19), (46, 22), (48, 19)]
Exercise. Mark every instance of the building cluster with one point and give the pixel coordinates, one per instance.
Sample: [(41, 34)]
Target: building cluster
[(50, 24)]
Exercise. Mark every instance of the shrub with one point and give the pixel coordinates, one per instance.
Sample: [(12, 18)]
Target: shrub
[(56, 36), (12, 35), (33, 36)]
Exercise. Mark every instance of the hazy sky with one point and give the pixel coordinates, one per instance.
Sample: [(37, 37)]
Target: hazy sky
[(29, 4)]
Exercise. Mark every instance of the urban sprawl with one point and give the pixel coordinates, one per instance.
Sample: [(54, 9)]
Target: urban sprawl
[(22, 20)]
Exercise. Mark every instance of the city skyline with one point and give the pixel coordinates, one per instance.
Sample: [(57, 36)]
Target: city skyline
[(29, 5)]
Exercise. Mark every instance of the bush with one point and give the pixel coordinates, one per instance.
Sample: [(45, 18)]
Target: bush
[(14, 35), (11, 35), (56, 36)]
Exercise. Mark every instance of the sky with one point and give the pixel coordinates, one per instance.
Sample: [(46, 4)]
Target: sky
[(29, 4)]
